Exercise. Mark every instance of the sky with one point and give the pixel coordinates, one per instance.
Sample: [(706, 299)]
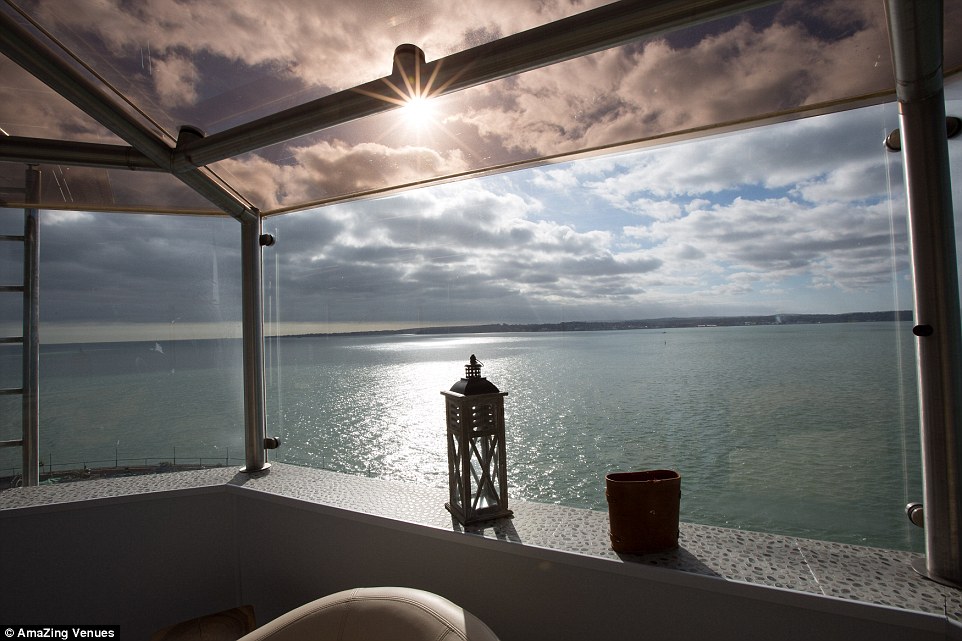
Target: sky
[(801, 217), (806, 216)]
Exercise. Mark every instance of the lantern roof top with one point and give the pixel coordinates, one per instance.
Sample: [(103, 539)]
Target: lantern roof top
[(473, 383)]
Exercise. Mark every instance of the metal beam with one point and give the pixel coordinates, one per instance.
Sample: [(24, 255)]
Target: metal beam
[(76, 154), (577, 35), (915, 29)]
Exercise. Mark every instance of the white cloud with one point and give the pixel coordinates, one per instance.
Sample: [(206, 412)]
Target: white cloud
[(327, 168), (66, 217), (329, 43), (845, 246), (176, 80), (29, 108), (660, 87), (468, 242), (829, 157)]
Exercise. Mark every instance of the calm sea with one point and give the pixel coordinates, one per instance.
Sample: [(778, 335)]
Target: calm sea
[(809, 430)]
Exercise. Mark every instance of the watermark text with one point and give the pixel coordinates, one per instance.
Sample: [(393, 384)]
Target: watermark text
[(62, 632)]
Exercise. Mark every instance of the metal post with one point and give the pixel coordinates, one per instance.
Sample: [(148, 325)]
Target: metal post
[(255, 414), (915, 29), (31, 332)]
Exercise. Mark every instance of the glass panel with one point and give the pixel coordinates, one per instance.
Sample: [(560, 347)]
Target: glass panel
[(140, 358), (88, 188), (11, 376), (11, 262), (737, 309), (768, 63), (31, 109)]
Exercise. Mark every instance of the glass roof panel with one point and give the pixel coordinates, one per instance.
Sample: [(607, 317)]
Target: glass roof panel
[(777, 63), (220, 64), (95, 189), (30, 108)]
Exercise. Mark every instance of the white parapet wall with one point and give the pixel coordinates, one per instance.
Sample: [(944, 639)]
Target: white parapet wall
[(146, 552)]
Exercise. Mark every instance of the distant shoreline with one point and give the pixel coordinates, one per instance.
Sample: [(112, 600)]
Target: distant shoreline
[(494, 328), (652, 323)]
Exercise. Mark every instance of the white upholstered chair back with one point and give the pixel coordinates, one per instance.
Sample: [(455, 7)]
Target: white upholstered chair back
[(375, 614)]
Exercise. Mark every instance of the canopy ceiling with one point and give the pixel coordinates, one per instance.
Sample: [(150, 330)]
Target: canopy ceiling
[(296, 101)]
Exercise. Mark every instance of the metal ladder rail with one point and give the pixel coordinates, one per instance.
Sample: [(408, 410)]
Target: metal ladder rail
[(12, 391), (30, 339)]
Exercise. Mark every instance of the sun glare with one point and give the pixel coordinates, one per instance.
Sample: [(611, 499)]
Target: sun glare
[(418, 112)]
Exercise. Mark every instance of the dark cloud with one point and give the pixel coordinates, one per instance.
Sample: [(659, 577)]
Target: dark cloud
[(137, 268)]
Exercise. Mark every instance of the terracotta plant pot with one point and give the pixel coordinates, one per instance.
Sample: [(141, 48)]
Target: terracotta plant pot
[(643, 510)]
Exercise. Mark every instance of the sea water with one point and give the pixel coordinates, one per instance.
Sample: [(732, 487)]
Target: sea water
[(807, 430)]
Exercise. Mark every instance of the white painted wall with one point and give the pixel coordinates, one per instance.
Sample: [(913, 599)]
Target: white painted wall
[(140, 562)]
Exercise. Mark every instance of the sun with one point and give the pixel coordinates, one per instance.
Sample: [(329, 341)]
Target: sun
[(418, 112)]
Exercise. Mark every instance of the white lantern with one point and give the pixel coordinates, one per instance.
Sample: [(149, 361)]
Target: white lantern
[(477, 470)]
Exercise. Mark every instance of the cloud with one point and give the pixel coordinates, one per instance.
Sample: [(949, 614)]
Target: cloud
[(137, 268), (666, 231), (837, 157), (467, 243), (673, 83), (329, 168), (328, 44), (29, 108), (844, 246), (176, 80), (816, 220)]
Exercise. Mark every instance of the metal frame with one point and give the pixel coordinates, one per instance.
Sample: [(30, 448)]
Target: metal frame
[(255, 398), (76, 154), (48, 67), (31, 332)]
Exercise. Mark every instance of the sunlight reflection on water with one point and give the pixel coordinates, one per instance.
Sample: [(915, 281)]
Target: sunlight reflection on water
[(780, 429)]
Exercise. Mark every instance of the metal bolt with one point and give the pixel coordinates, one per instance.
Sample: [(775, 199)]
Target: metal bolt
[(916, 514)]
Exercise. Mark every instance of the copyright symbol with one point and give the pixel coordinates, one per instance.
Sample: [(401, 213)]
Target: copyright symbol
[(8, 632)]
